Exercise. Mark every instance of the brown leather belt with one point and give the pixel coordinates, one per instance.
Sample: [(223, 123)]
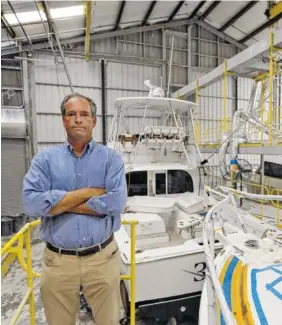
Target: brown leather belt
[(81, 252)]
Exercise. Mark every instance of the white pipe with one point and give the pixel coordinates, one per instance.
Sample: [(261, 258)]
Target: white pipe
[(226, 313), (222, 156), (252, 196), (170, 65)]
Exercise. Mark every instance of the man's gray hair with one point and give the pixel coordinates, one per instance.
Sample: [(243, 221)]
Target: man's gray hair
[(77, 95)]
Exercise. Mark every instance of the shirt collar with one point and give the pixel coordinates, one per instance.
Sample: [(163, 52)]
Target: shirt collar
[(88, 148)]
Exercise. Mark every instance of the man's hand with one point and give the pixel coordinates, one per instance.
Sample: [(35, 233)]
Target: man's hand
[(75, 198), (84, 209)]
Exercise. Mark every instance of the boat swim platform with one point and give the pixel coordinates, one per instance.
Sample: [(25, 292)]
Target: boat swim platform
[(254, 148)]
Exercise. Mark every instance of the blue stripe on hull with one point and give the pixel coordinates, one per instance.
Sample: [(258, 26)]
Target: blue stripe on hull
[(226, 286)]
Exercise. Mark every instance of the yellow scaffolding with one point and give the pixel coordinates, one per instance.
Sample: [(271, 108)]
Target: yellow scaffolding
[(23, 239), (270, 112)]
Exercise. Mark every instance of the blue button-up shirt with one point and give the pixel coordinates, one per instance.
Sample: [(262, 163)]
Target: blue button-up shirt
[(56, 171)]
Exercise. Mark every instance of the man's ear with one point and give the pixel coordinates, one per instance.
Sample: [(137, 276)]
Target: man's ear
[(63, 119), (94, 121)]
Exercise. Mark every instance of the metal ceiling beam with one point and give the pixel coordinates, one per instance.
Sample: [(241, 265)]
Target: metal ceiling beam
[(274, 10), (50, 38), (222, 35), (209, 10), (88, 15), (196, 10), (54, 29), (5, 24), (245, 62), (131, 30), (25, 34), (239, 14), (148, 13), (47, 16), (175, 10), (261, 28), (120, 12), (103, 35)]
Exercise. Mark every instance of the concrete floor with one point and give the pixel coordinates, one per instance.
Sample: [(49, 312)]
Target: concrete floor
[(14, 286)]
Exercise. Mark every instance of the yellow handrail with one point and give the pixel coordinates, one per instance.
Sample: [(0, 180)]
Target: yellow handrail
[(277, 205), (24, 234)]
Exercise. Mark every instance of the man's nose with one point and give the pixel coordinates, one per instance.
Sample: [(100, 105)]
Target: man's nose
[(78, 118)]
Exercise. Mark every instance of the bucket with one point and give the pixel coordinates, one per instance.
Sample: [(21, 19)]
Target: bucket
[(18, 221), (6, 226)]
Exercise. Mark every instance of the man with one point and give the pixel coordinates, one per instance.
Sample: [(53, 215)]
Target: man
[(79, 190)]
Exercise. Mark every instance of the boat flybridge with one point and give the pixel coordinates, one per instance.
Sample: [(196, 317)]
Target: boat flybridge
[(244, 280)]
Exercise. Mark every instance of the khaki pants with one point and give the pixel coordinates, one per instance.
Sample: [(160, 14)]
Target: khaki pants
[(99, 275)]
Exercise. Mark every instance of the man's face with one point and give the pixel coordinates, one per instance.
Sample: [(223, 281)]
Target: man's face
[(78, 120)]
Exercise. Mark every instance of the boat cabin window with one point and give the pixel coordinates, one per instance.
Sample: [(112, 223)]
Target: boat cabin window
[(179, 181), (137, 183), (160, 183), (271, 169)]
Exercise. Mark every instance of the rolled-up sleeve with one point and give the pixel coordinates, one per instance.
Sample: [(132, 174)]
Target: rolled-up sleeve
[(114, 200), (38, 198)]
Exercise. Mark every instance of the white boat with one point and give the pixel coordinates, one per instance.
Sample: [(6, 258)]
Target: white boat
[(244, 282), (165, 196)]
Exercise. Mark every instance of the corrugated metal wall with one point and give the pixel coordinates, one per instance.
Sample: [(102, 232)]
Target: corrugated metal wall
[(207, 50), (211, 108)]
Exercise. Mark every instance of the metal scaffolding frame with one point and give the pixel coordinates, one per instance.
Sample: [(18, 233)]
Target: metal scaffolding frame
[(244, 63)]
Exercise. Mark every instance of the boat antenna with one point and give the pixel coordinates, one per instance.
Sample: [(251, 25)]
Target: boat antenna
[(170, 66)]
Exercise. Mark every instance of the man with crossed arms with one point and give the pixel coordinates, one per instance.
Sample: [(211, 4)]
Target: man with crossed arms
[(79, 190)]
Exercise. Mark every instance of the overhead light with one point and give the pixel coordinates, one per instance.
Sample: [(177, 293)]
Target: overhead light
[(33, 16), (67, 12), (24, 17)]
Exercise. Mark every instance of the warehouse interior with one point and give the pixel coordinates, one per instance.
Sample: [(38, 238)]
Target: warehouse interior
[(223, 56)]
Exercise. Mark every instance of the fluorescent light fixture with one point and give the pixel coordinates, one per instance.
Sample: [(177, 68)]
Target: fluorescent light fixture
[(67, 12), (24, 17), (33, 16)]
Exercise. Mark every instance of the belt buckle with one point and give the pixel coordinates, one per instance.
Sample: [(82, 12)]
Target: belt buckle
[(81, 250), (78, 250)]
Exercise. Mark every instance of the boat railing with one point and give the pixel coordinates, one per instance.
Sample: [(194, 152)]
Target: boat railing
[(22, 239)]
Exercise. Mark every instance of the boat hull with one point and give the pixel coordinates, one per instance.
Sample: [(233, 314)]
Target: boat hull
[(168, 277)]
